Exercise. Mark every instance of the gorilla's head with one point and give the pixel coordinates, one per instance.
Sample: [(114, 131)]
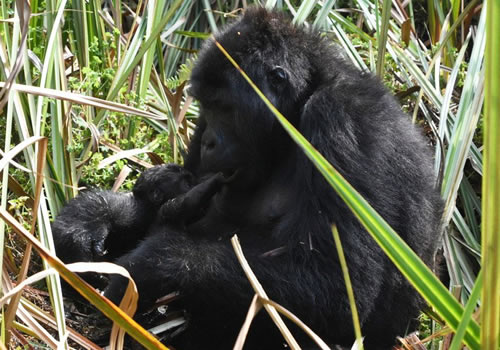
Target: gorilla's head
[(240, 134), (158, 184)]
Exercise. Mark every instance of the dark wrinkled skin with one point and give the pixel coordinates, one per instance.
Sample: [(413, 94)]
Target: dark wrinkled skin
[(276, 201)]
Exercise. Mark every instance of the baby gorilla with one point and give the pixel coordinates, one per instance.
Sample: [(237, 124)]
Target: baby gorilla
[(168, 193)]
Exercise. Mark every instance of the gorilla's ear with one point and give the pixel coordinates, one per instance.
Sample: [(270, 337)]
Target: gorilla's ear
[(278, 76)]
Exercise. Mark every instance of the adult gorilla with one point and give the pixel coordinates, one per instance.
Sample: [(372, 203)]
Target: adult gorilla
[(275, 200)]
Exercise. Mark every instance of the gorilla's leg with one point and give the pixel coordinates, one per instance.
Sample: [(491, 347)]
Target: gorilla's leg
[(213, 286)]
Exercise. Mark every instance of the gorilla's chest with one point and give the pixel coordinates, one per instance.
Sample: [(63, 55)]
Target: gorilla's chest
[(256, 212)]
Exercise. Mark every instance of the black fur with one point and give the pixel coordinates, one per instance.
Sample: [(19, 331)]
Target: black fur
[(170, 191), (167, 191), (276, 201)]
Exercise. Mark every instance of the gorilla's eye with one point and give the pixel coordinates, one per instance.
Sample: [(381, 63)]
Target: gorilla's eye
[(278, 75)]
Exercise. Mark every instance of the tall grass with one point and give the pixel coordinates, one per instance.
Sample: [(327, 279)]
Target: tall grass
[(490, 296), (95, 78)]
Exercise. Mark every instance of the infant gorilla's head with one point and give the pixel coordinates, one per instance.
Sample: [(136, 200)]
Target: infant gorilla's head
[(160, 183)]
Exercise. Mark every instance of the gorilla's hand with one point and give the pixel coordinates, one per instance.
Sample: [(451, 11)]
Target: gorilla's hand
[(98, 242), (190, 205)]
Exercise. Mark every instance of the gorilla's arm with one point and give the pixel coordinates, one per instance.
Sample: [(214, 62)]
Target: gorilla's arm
[(172, 261), (190, 204), (207, 274), (200, 270), (99, 226)]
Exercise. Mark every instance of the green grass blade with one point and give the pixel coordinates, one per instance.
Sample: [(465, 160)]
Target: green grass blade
[(469, 309), (467, 117), (382, 36), (321, 18), (348, 46), (137, 57), (490, 310), (350, 291), (447, 99), (210, 16), (304, 11)]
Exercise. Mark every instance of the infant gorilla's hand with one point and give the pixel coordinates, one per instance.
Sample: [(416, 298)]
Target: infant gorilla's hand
[(98, 243)]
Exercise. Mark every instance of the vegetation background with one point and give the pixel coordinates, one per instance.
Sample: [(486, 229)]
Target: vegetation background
[(92, 92)]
